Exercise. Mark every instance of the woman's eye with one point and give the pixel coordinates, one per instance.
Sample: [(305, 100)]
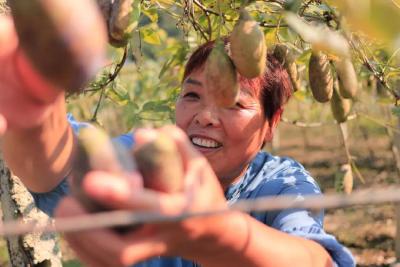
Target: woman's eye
[(239, 105), (191, 95)]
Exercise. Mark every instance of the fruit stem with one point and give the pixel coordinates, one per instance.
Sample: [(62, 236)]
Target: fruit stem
[(220, 18)]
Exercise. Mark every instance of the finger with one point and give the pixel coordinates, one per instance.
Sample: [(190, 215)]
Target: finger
[(103, 246), (116, 192), (100, 247), (145, 135), (143, 248), (8, 36), (194, 163), (84, 256), (184, 145)]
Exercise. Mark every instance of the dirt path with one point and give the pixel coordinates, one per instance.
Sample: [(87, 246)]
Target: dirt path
[(368, 231)]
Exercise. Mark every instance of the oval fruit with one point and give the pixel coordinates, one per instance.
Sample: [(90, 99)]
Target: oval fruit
[(285, 57), (248, 48), (64, 40), (348, 83), (160, 163), (340, 107), (221, 77), (320, 76), (120, 24)]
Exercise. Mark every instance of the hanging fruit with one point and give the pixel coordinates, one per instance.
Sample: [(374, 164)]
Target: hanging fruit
[(248, 48), (348, 83), (64, 40), (285, 57), (320, 76), (221, 76), (347, 178), (340, 107), (121, 24)]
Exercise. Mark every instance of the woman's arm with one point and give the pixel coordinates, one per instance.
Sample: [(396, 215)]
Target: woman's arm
[(229, 239), (38, 143), (240, 240), (40, 155)]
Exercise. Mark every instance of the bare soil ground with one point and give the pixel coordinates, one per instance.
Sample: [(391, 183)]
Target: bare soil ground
[(368, 231)]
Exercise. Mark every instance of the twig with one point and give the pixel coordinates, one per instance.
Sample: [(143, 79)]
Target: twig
[(266, 25), (385, 125), (379, 75), (110, 79), (314, 124), (124, 218), (196, 26), (205, 9)]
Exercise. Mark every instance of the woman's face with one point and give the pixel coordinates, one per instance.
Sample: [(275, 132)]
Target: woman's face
[(228, 137)]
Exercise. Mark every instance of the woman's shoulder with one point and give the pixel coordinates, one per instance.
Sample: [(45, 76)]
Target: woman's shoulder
[(274, 175), (126, 140), (270, 166)]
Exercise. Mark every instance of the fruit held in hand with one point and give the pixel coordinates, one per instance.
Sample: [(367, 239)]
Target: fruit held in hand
[(158, 161), (95, 151), (160, 164), (248, 48), (221, 76), (64, 40), (320, 76)]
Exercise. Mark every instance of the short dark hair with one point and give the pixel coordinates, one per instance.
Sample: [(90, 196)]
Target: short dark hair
[(274, 86)]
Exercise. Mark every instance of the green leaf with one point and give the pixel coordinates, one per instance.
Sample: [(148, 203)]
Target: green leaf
[(118, 98), (151, 13), (165, 67), (156, 106), (150, 35), (396, 111), (134, 17), (304, 57), (300, 95)]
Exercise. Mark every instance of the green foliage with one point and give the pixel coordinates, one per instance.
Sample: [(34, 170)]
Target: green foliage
[(396, 111), (4, 257), (167, 31)]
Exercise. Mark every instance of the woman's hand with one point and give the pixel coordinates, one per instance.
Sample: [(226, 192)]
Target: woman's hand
[(188, 238)]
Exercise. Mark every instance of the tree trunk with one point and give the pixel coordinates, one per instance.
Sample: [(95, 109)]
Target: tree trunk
[(36, 249)]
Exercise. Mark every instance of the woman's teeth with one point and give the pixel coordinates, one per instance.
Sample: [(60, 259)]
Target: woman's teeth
[(205, 142)]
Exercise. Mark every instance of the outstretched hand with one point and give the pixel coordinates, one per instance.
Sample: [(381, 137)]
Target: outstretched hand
[(202, 192)]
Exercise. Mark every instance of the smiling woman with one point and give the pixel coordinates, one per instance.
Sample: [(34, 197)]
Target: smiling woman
[(231, 137)]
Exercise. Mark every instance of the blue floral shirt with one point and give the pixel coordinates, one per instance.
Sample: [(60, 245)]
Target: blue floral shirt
[(267, 175)]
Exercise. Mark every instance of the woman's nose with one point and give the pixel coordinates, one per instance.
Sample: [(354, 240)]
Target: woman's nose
[(208, 116)]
